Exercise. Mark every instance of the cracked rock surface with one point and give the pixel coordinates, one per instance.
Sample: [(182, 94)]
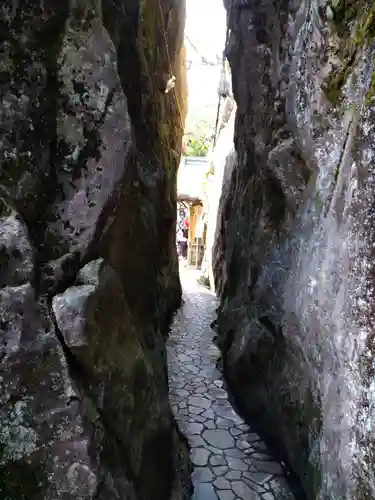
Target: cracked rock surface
[(230, 461), (86, 182), (293, 256)]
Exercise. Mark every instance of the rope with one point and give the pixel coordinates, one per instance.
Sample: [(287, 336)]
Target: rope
[(204, 61), (217, 121), (171, 69), (223, 73), (170, 64)]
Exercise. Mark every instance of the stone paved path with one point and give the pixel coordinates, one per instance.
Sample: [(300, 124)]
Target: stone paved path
[(230, 461)]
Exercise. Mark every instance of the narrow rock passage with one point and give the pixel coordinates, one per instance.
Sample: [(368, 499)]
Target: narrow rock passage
[(230, 461)]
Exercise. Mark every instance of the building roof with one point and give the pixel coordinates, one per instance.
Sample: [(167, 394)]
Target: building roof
[(191, 177)]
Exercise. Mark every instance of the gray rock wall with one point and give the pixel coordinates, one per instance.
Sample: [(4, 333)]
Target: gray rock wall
[(88, 268), (294, 257), (222, 164)]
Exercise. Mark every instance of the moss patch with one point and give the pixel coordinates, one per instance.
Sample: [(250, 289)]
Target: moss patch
[(158, 60), (336, 80), (354, 22)]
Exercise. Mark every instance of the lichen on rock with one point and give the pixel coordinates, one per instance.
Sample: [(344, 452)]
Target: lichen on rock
[(293, 256), (87, 181)]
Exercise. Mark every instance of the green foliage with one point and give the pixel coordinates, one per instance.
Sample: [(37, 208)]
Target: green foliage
[(198, 147), (355, 24)]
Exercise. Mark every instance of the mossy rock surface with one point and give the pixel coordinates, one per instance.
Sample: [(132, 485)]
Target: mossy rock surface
[(354, 23)]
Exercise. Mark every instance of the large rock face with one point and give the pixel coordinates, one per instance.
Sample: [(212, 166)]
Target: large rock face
[(222, 162), (294, 259), (89, 148)]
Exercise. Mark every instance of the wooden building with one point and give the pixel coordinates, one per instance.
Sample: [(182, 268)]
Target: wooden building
[(190, 193)]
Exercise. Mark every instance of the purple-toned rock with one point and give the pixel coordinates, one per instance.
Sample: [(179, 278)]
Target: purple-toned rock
[(16, 252), (88, 265), (50, 447), (57, 274), (94, 131)]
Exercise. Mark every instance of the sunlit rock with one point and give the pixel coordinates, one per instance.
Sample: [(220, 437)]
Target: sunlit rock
[(296, 280)]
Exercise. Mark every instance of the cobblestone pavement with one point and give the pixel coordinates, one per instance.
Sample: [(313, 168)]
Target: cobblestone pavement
[(230, 462)]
